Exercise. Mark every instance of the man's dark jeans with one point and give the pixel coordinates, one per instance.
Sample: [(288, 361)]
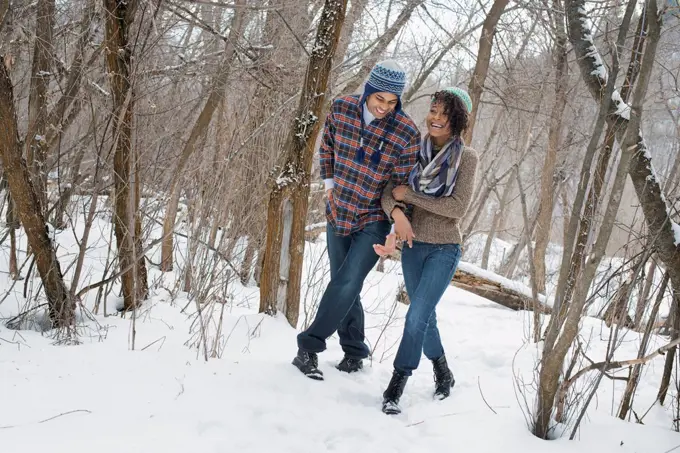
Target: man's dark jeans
[(352, 258)]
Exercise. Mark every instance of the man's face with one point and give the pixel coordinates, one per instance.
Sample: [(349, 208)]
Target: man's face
[(381, 104)]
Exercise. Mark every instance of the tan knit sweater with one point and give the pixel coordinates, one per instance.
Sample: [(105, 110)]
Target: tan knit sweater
[(437, 220)]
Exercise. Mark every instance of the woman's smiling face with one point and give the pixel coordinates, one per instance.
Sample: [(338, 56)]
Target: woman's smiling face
[(437, 121)]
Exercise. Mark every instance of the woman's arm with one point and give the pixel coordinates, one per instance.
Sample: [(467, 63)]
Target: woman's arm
[(457, 204)]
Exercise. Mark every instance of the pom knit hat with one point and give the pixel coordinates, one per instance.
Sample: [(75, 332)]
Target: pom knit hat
[(387, 76), (462, 94)]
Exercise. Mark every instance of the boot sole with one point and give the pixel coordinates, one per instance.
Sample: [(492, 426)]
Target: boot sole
[(441, 396), (391, 409)]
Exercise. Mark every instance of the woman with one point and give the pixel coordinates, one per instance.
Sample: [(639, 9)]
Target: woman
[(436, 198)]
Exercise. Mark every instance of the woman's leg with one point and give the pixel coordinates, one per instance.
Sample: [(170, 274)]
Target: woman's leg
[(432, 345), (412, 260), (437, 269)]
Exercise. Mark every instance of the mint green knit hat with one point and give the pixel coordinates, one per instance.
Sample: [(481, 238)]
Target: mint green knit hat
[(462, 94)]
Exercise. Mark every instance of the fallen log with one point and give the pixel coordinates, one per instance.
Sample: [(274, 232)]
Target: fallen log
[(496, 291)]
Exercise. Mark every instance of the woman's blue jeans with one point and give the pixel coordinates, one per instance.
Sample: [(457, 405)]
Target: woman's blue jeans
[(428, 270)]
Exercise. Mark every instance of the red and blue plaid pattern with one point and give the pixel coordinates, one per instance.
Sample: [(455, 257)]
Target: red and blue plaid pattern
[(358, 185)]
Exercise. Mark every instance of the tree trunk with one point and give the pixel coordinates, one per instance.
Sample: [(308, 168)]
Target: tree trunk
[(61, 306), (498, 215), (547, 192), (248, 257), (119, 17), (634, 377), (597, 190), (644, 297), (481, 70), (198, 130), (670, 357), (288, 202), (13, 225), (36, 149)]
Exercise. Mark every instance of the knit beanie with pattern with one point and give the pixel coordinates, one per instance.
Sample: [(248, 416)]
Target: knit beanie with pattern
[(387, 77)]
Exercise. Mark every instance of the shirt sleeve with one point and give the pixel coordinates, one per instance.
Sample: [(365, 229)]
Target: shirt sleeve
[(407, 160), (326, 151), (458, 203), (388, 202)]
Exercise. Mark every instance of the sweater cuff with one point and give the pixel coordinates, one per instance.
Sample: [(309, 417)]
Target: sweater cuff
[(409, 195), (328, 183)]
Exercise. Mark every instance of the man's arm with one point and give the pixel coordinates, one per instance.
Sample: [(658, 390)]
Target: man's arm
[(407, 160), (326, 151), (389, 203)]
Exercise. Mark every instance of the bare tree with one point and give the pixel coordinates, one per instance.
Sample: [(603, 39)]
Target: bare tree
[(482, 64), (564, 325), (199, 129), (24, 195), (548, 186), (36, 145), (119, 18), (287, 209)]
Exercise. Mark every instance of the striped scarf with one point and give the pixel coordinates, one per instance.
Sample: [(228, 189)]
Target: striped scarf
[(436, 176)]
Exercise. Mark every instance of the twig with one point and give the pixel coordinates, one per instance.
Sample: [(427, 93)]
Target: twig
[(607, 366), (48, 419), (65, 413), (672, 449), (154, 342), (479, 384)]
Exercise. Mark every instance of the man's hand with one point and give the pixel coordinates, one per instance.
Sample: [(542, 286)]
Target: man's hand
[(389, 247), (399, 192), (329, 192), (402, 227)]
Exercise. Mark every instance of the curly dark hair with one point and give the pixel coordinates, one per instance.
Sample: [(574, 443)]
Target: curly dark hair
[(454, 109)]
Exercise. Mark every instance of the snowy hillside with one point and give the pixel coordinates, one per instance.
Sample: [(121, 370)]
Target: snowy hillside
[(100, 396)]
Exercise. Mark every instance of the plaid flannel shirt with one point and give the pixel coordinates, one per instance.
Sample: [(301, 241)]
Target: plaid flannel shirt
[(358, 186)]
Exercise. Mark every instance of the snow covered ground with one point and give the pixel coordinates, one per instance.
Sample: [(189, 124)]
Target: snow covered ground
[(101, 396)]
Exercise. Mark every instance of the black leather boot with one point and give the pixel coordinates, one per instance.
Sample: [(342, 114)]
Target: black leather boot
[(350, 365), (443, 378), (308, 364), (393, 393)]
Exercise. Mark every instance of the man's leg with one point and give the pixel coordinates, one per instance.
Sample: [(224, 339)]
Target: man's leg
[(338, 247), (341, 292), (351, 329)]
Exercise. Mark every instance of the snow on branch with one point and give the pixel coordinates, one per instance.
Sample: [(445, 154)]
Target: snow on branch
[(596, 65)]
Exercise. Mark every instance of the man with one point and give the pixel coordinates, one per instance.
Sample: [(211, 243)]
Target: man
[(367, 141)]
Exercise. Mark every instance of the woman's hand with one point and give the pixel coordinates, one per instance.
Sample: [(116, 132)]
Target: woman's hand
[(399, 192), (402, 227), (389, 247)]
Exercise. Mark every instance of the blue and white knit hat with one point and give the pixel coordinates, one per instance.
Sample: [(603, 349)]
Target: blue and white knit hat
[(386, 76)]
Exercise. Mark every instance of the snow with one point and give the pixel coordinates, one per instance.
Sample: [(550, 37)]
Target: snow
[(314, 226), (101, 396), (676, 232), (622, 109), (599, 68)]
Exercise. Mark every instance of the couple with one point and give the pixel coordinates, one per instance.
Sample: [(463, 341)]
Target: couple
[(379, 171)]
